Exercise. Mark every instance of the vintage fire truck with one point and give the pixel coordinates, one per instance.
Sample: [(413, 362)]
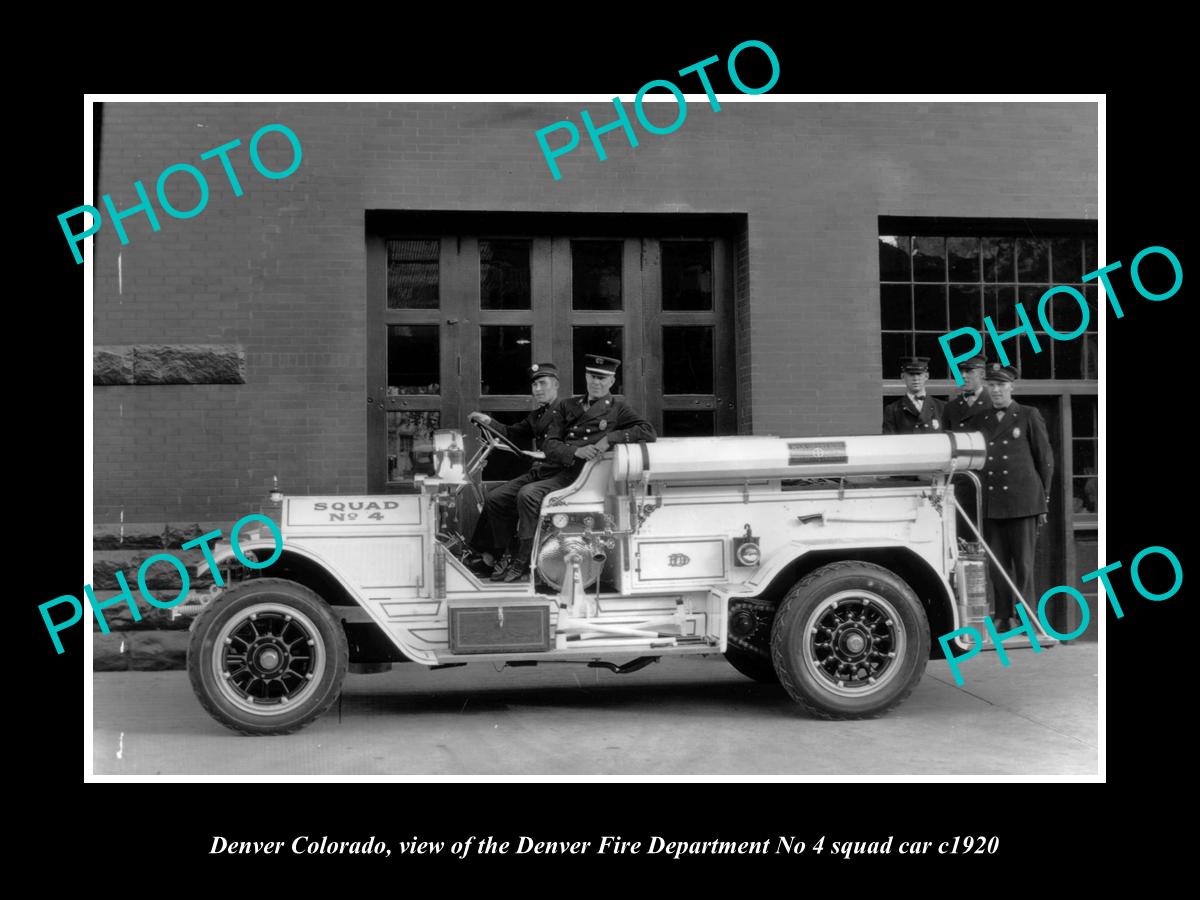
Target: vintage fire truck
[(827, 564)]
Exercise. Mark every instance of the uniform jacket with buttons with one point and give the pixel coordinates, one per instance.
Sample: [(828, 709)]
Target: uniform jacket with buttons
[(901, 417), (957, 416), (1020, 463), (575, 427), (531, 428)]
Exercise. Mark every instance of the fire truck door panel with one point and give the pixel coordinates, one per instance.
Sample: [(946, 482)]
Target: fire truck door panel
[(391, 566), (681, 559)]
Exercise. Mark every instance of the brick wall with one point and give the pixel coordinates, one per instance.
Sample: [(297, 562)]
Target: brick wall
[(280, 270)]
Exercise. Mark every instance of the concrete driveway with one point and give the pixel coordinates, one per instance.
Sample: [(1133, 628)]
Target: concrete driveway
[(677, 719)]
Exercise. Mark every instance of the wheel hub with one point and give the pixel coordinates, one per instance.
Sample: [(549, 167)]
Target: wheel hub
[(268, 659), (853, 642), (269, 656)]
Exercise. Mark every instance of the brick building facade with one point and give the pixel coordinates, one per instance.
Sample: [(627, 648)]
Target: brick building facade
[(291, 279)]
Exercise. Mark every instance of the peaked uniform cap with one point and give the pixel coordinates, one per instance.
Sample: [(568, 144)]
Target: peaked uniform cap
[(537, 370), (601, 365), (997, 372)]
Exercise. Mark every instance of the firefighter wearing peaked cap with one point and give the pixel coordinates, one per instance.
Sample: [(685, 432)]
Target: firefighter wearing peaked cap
[(968, 410), (914, 413), (594, 421), (495, 532), (1016, 488), (583, 428)]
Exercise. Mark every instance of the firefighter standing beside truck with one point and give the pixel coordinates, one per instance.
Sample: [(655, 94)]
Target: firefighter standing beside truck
[(969, 409), (914, 413), (1016, 486)]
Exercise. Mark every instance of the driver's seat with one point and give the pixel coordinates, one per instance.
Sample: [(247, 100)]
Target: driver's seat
[(591, 485)]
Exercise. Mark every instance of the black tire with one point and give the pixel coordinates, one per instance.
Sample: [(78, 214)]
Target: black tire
[(267, 657), (752, 665), (850, 641)]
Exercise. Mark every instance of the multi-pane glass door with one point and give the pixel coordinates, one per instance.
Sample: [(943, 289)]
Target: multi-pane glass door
[(456, 320)]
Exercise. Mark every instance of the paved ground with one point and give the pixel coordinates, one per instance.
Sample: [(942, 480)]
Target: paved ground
[(676, 719)]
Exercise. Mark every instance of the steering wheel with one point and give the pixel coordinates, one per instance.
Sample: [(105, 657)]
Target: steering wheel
[(489, 440), (493, 439)]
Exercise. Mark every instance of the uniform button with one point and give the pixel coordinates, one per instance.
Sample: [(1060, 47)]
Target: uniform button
[(1005, 457), (991, 487), (1006, 471), (1006, 443), (1006, 487)]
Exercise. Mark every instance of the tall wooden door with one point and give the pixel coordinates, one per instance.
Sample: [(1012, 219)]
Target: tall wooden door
[(455, 320)]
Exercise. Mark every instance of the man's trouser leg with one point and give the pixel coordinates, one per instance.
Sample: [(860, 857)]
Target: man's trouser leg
[(997, 534), (500, 510), (529, 501), (482, 537), (1014, 541), (1022, 547)]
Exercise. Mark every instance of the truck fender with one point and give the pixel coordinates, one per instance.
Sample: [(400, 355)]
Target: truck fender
[(224, 552), (925, 579)]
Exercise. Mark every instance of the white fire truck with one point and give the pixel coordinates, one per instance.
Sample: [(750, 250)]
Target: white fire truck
[(826, 564)]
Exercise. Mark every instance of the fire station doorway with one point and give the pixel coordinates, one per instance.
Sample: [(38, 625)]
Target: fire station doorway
[(460, 305)]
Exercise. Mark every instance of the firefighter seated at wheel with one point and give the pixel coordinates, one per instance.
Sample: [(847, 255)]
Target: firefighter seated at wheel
[(494, 540), (581, 428)]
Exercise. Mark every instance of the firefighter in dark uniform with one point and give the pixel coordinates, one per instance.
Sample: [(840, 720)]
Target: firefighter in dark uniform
[(970, 407), (583, 428), (496, 529), (968, 412), (1016, 487), (914, 413)]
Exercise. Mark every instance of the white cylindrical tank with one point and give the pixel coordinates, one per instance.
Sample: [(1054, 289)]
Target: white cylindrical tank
[(726, 458)]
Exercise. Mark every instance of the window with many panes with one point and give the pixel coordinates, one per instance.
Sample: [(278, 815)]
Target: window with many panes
[(934, 283), (1085, 465)]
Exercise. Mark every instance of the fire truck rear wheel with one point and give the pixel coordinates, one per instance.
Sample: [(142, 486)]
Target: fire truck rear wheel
[(268, 657), (850, 641)]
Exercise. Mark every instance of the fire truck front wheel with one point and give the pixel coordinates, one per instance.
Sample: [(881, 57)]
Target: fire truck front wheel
[(850, 641), (268, 657)]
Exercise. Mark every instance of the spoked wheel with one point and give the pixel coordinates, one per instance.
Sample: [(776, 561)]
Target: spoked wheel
[(268, 657), (850, 641)]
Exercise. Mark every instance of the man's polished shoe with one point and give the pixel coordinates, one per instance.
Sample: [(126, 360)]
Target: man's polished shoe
[(518, 570), (478, 564), (502, 566)]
